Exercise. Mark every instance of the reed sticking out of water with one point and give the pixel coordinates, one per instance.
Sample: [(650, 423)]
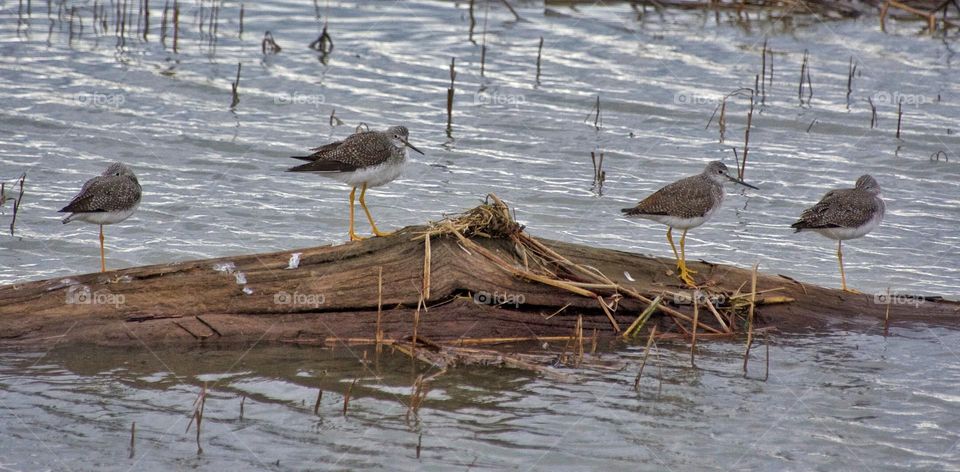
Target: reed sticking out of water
[(597, 116), (197, 416), (133, 435), (851, 70), (515, 14), (418, 393), (811, 125), (243, 400), (483, 39), (324, 43), (334, 121), (578, 332), (539, 55), (378, 334), (163, 25), (886, 316), (268, 45), (766, 342), (805, 78), (763, 73), (419, 444), (240, 32), (594, 339), (473, 23), (753, 303), (16, 201), (746, 139), (346, 396), (146, 18), (234, 86), (873, 113), (899, 115), (316, 405), (646, 354), (641, 320), (176, 24), (936, 156), (450, 92), (693, 332), (599, 175)]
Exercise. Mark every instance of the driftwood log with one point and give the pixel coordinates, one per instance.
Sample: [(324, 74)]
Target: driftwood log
[(478, 278)]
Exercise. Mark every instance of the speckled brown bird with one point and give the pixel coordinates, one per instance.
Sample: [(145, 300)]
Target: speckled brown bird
[(686, 204), (844, 214), (106, 199), (366, 159)]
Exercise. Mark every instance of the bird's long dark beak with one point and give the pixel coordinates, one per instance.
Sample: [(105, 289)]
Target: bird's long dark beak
[(411, 146), (741, 182)]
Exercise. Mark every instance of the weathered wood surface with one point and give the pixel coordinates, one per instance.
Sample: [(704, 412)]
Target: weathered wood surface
[(333, 295)]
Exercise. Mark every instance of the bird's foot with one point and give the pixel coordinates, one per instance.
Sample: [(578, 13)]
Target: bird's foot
[(354, 237), (852, 291), (686, 277), (382, 234)]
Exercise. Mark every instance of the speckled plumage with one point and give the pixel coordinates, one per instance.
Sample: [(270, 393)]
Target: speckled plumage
[(360, 150), (688, 202), (107, 198), (845, 213)]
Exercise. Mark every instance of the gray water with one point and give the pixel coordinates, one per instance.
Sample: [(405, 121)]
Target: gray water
[(214, 186)]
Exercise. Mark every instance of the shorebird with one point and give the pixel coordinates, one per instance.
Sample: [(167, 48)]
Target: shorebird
[(108, 198), (365, 159), (846, 213), (686, 204)]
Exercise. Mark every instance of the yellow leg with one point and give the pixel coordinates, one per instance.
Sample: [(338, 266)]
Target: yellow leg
[(670, 239), (684, 271), (843, 277), (353, 235), (103, 257), (363, 204)]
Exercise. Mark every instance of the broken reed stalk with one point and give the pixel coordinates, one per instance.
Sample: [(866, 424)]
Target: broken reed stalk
[(899, 115), (176, 24), (766, 342), (16, 203), (417, 394), (646, 354), (240, 33), (851, 70), (593, 341), (450, 92), (539, 54), (146, 18), (236, 83), (316, 405), (693, 332), (515, 14), (346, 396), (426, 269), (419, 443), (873, 113), (416, 323), (886, 316), (805, 78), (746, 139), (197, 416), (753, 302), (763, 73), (163, 24), (473, 22), (483, 39), (722, 122), (599, 175), (133, 435), (243, 400), (641, 320)]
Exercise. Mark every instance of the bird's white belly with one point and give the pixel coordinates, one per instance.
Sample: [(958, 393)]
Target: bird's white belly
[(682, 223), (373, 176), (844, 234), (105, 217)]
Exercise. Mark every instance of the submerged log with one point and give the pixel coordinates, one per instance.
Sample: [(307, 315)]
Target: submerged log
[(478, 277)]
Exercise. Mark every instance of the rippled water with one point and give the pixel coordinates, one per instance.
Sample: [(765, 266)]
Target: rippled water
[(848, 401), (214, 186)]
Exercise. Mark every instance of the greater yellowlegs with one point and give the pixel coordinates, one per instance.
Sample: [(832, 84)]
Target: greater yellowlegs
[(108, 198), (366, 159), (843, 214), (686, 204)]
